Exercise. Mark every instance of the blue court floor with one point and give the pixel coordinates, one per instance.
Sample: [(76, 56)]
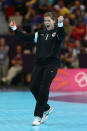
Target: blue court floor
[(70, 112)]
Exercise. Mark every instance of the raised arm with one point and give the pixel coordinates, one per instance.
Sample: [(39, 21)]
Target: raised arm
[(60, 29), (32, 37)]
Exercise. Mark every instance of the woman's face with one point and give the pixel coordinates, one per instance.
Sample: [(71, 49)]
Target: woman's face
[(49, 23)]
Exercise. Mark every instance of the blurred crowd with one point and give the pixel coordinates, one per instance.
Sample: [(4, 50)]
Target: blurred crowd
[(28, 15), (9, 69)]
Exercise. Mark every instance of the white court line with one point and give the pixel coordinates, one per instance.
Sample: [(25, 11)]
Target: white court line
[(68, 93)]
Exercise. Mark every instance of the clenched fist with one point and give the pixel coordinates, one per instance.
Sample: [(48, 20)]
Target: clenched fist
[(12, 24), (60, 19)]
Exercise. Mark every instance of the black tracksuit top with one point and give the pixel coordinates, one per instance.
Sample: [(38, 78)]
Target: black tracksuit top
[(48, 44)]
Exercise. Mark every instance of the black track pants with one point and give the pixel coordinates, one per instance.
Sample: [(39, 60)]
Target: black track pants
[(41, 79)]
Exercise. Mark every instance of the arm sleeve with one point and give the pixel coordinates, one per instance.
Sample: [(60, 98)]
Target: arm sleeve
[(33, 37), (60, 31), (24, 36)]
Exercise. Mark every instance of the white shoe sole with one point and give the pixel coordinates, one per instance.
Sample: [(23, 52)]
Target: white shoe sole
[(36, 124)]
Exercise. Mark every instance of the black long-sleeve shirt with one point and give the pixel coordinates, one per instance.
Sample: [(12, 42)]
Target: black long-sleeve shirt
[(48, 44)]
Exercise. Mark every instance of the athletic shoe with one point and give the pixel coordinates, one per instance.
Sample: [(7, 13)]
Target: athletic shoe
[(37, 121), (45, 115)]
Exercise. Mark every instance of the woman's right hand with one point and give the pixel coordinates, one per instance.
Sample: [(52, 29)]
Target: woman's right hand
[(12, 24)]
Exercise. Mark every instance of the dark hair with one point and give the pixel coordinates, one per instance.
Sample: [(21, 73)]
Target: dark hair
[(51, 15)]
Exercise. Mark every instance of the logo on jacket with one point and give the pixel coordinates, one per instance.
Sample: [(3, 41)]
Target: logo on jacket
[(54, 34)]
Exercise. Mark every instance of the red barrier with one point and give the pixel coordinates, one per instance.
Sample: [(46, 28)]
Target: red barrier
[(70, 80)]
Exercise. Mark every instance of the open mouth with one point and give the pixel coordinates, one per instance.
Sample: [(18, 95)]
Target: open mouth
[(47, 25)]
